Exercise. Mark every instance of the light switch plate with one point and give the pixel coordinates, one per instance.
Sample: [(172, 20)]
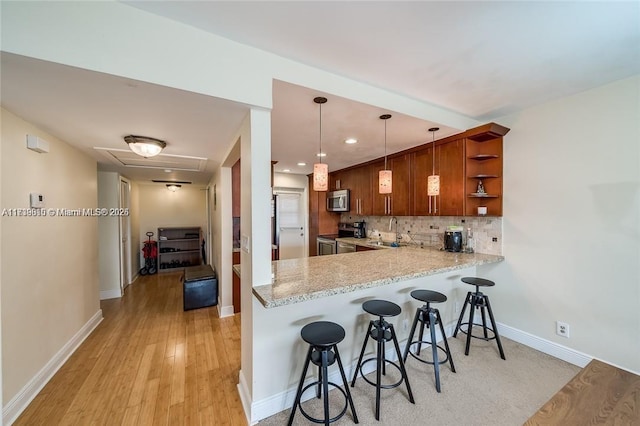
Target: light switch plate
[(245, 244)]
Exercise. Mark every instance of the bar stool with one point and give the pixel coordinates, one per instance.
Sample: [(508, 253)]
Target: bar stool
[(381, 331), (474, 301), (429, 317), (323, 338)]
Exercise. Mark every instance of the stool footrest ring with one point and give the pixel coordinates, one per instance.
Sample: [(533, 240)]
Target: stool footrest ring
[(390, 386), (478, 337), (414, 355), (313, 419)]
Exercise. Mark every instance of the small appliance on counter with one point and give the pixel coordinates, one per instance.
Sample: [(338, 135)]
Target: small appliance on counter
[(453, 238), (359, 230)]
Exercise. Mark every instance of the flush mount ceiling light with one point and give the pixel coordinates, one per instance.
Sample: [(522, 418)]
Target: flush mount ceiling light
[(351, 141), (384, 176), (145, 146), (433, 181), (173, 187), (320, 169)]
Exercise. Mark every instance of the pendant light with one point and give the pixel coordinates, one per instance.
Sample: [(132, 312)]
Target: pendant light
[(433, 181), (384, 176), (320, 170)]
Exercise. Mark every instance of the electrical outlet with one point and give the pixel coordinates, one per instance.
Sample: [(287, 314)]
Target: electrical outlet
[(562, 329), (405, 325), (494, 239)]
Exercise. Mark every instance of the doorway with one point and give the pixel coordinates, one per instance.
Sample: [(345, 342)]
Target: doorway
[(125, 234), (290, 225)]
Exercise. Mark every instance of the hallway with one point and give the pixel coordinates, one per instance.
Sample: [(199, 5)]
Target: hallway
[(148, 363)]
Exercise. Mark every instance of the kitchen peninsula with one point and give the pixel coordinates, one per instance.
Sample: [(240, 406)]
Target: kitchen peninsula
[(298, 280), (333, 288)]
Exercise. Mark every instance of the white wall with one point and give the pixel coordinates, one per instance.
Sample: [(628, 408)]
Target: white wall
[(159, 207), (109, 236), (50, 293), (222, 239), (572, 222), (136, 243)]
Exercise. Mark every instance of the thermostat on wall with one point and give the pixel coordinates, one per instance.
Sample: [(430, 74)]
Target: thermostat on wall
[(37, 200), (37, 144)]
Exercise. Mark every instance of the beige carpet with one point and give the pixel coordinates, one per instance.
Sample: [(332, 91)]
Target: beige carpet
[(485, 390)]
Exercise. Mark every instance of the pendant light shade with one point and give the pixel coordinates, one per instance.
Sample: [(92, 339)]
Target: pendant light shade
[(384, 181), (145, 146), (320, 170), (433, 185), (385, 178), (320, 177), (433, 181)]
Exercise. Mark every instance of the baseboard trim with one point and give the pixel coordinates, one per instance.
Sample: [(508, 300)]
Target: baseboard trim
[(23, 398), (110, 294), (546, 346), (245, 397), (284, 400), (225, 311)]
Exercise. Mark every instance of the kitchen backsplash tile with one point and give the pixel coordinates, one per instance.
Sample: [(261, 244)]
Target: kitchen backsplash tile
[(429, 230)]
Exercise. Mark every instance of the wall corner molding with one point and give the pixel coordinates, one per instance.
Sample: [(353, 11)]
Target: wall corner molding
[(110, 294)]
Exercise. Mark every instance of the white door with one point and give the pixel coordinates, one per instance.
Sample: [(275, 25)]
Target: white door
[(125, 240), (291, 225)]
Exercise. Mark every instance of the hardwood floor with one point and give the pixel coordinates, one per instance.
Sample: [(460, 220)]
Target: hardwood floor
[(599, 394), (148, 363)]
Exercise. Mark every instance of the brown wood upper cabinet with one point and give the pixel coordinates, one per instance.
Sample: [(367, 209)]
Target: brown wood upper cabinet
[(397, 203), (449, 165), (358, 181), (462, 161)]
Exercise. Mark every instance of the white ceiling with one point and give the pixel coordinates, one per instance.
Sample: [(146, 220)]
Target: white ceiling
[(479, 59)]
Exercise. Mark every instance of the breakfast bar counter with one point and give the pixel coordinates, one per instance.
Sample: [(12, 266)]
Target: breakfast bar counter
[(299, 280)]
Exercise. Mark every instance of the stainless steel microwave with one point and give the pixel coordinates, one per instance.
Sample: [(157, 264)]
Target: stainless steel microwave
[(338, 201)]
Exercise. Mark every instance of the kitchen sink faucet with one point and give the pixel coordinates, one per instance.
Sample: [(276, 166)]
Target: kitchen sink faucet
[(393, 218)]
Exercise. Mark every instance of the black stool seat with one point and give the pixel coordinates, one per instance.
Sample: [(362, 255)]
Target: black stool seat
[(478, 282), (323, 338), (322, 333), (429, 317), (381, 308), (478, 300), (381, 332), (428, 296)]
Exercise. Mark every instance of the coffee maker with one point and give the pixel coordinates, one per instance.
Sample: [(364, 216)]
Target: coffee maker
[(453, 239), (359, 230)]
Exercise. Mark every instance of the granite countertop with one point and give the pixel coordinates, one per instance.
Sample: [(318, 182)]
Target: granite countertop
[(298, 280), (364, 242)]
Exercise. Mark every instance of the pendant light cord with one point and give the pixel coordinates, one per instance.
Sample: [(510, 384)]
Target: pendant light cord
[(433, 154), (385, 144), (320, 133)]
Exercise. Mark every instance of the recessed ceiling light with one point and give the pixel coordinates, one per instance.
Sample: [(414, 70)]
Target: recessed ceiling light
[(286, 170), (167, 170), (351, 141), (302, 164), (322, 154)]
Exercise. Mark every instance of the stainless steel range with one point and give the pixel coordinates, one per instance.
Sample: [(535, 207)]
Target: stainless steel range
[(326, 244)]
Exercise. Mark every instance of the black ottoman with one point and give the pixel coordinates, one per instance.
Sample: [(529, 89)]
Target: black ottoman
[(200, 287)]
